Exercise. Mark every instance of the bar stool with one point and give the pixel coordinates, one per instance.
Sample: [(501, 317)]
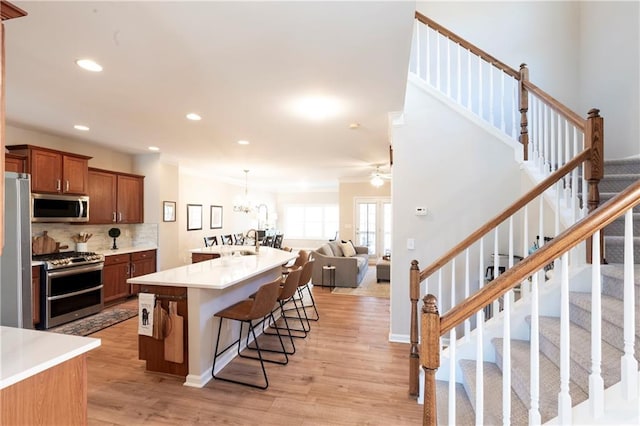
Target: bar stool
[(305, 277), (246, 311)]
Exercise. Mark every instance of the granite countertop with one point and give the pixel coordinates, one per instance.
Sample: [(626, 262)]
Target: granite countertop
[(25, 353), (220, 273)]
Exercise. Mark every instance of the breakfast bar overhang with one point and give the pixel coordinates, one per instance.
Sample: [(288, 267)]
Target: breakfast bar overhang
[(210, 287)]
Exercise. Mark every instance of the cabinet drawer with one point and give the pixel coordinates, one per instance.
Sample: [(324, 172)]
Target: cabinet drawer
[(141, 255), (115, 259)]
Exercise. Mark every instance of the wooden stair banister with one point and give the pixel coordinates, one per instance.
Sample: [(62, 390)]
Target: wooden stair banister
[(562, 243)]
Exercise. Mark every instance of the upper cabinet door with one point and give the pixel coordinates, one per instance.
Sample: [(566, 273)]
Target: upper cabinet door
[(46, 168), (102, 197), (75, 175), (130, 199)]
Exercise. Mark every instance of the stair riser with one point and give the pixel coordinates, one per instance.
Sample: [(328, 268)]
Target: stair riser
[(614, 249), (622, 167), (616, 183), (617, 227), (614, 287), (578, 374), (611, 333)]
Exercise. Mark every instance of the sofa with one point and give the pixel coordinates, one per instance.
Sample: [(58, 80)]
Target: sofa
[(350, 270)]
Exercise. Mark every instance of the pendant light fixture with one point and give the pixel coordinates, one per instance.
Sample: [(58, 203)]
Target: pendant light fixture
[(244, 204)]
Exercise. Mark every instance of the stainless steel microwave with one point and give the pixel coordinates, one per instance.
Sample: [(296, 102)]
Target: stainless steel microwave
[(59, 208)]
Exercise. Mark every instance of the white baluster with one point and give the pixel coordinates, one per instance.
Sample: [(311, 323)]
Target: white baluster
[(525, 287), (440, 290), (506, 334), (459, 75), (564, 398), (629, 370), (596, 384), (534, 355), (448, 67), (480, 319), (567, 158), (491, 95), (480, 85), (502, 101), (545, 147), (452, 351), (428, 57), (541, 229), (552, 140), (438, 85), (467, 322), (417, 47), (514, 113), (533, 126), (557, 212), (469, 79), (541, 137), (574, 181), (496, 266)]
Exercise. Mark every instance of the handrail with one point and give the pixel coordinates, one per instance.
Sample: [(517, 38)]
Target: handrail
[(556, 105), (469, 46), (501, 217), (563, 242)]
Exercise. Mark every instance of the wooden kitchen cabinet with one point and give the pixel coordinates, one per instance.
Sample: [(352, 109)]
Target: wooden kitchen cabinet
[(202, 257), (14, 163), (115, 197), (119, 268), (55, 172), (35, 294), (114, 277)]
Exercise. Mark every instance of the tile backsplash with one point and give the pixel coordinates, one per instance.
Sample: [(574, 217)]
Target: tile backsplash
[(130, 234)]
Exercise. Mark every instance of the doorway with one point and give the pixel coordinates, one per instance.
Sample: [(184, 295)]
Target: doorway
[(373, 225)]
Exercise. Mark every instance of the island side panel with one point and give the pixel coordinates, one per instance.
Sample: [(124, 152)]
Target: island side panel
[(58, 394), (152, 350), (203, 305)]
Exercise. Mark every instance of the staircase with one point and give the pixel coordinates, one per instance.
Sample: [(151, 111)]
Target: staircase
[(618, 175)]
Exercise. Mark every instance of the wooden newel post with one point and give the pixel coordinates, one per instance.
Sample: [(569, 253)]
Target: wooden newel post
[(430, 356), (594, 168), (524, 108), (414, 352)]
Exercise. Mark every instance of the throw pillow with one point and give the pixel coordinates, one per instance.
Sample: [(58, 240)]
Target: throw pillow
[(348, 249), (337, 249)]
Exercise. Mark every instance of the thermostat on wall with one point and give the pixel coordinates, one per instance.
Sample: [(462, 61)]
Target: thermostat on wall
[(421, 211)]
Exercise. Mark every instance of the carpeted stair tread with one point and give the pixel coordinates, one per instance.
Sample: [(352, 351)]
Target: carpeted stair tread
[(464, 410), (580, 352), (613, 280), (606, 196), (622, 166), (617, 226), (614, 249), (549, 378), (612, 318), (492, 394), (616, 182)]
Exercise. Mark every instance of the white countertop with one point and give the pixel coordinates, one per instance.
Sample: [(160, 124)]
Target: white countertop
[(224, 248), (125, 250), (219, 273), (25, 353)]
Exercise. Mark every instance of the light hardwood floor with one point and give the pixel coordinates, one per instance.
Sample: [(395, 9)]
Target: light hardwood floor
[(344, 373)]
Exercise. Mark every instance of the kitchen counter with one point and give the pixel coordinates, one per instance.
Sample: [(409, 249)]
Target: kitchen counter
[(210, 287), (25, 353), (125, 250), (226, 249)]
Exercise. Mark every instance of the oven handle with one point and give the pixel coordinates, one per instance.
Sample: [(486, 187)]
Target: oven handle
[(75, 293), (72, 271)]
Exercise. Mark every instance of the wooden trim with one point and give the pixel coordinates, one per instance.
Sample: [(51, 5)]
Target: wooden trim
[(562, 243), (10, 11), (555, 105), (501, 217), (27, 148), (467, 45), (414, 351), (94, 169)]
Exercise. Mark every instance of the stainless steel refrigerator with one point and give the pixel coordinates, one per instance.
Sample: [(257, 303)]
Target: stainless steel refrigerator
[(15, 262)]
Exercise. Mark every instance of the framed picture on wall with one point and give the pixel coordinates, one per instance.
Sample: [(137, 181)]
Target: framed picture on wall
[(169, 211), (216, 217), (194, 217)]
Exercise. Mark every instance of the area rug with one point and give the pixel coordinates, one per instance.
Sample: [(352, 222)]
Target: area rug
[(368, 286), (96, 322)]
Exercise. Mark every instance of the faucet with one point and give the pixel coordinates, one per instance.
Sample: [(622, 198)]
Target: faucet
[(255, 238)]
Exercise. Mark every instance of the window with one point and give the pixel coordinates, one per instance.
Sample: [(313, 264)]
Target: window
[(311, 221)]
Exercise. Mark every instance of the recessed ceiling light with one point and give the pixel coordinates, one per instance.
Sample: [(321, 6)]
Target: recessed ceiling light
[(354, 126), (317, 107), (193, 116), (81, 127), (89, 65), (243, 142), (154, 148)]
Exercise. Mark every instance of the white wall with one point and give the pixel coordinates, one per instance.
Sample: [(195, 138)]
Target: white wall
[(461, 173), (610, 72)]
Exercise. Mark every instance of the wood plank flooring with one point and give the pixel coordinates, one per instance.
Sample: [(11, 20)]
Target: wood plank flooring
[(344, 373)]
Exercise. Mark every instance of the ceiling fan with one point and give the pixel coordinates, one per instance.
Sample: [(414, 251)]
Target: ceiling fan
[(378, 178)]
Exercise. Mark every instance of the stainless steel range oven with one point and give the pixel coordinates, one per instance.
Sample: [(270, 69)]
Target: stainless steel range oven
[(71, 286)]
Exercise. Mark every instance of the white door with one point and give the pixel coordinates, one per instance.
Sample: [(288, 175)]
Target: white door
[(373, 225)]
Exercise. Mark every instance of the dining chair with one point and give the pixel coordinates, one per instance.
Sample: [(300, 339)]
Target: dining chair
[(238, 239), (227, 239), (277, 241), (246, 311), (210, 241)]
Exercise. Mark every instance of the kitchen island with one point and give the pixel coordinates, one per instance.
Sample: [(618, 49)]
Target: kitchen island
[(43, 377), (209, 287)]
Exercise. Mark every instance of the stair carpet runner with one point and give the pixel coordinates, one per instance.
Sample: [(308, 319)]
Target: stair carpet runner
[(619, 175)]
